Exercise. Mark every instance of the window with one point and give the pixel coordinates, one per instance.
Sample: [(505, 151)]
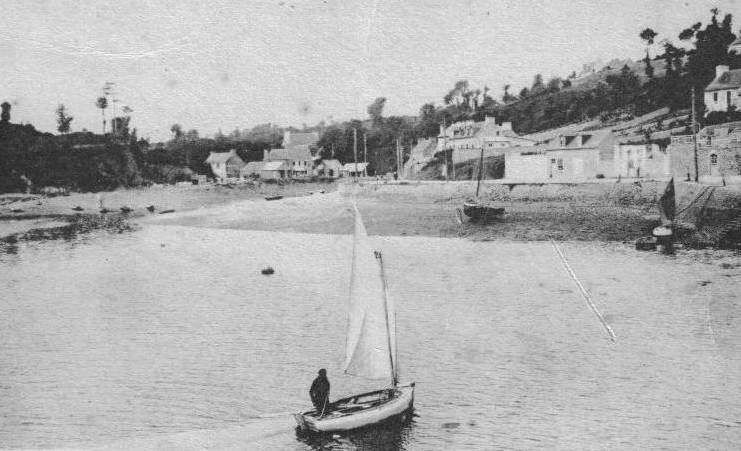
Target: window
[(713, 159), (728, 98), (715, 97), (560, 164)]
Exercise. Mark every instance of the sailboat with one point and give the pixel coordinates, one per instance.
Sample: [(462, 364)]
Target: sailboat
[(370, 350), (475, 208)]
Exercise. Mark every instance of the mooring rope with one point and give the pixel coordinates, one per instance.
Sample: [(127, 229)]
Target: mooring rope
[(584, 292)]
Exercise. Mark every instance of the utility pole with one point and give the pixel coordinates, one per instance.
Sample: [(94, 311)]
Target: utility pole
[(365, 147), (694, 134), (355, 150)]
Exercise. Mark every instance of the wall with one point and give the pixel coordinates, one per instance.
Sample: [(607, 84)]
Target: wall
[(727, 151)]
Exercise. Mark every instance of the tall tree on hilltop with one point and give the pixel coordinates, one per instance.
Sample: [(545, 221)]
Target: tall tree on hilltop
[(375, 110), (5, 115), (177, 131), (63, 119), (507, 97), (428, 123), (102, 103), (648, 35), (538, 86)]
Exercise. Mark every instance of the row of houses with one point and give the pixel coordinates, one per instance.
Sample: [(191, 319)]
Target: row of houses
[(293, 160)]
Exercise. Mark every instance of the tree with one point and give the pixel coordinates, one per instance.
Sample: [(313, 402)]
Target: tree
[(507, 97), (375, 109), (177, 131), (102, 103), (538, 86), (63, 119), (554, 84), (5, 115), (648, 35)]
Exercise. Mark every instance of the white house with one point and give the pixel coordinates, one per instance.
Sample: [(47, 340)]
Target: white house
[(573, 157), (225, 165), (298, 160), (466, 139), (351, 169), (724, 91), (329, 168), (641, 160)]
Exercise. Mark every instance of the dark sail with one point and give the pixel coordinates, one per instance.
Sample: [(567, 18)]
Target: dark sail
[(667, 203)]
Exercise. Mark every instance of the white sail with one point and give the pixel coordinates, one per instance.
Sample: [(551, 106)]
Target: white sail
[(371, 337)]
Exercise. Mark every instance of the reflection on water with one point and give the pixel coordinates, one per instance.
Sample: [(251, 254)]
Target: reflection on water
[(390, 435), (173, 330)]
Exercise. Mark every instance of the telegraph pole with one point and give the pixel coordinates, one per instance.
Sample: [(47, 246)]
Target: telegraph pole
[(355, 150), (694, 134), (365, 147)]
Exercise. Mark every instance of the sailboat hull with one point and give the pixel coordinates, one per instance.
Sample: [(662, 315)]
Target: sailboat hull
[(360, 411), (478, 211)]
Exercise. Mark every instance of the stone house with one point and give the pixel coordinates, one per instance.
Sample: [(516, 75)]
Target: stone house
[(718, 154), (641, 161)]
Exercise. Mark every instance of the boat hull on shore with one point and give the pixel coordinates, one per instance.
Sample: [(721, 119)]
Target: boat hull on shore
[(360, 411), (477, 211)]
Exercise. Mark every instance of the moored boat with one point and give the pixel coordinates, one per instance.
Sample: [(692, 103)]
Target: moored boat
[(477, 210)]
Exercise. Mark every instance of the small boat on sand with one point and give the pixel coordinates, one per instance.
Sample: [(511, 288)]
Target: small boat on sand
[(273, 197), (475, 208), (370, 351)]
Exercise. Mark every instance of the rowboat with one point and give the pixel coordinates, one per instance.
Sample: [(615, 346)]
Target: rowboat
[(370, 351)]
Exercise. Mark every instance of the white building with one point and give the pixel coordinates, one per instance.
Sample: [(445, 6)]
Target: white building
[(724, 91), (466, 139), (225, 165)]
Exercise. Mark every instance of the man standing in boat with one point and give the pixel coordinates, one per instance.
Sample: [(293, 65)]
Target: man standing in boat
[(319, 391)]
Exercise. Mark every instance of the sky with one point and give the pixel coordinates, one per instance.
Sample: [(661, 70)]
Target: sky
[(211, 65)]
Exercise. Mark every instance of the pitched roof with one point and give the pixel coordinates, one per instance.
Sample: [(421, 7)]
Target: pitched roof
[(332, 163), (727, 80), (294, 153), (582, 140), (223, 157), (274, 166), (253, 167), (292, 139)]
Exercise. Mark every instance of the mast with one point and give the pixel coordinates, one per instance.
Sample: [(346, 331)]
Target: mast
[(481, 169), (694, 133), (394, 381)]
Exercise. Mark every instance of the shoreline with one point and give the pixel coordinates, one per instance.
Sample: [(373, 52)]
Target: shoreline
[(599, 212)]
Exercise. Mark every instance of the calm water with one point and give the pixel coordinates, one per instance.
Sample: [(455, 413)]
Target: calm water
[(173, 330)]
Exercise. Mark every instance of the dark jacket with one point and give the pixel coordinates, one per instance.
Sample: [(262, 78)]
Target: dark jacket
[(319, 392)]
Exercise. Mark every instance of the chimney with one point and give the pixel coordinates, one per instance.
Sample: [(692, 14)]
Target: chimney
[(720, 70), (266, 155), (286, 139)]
